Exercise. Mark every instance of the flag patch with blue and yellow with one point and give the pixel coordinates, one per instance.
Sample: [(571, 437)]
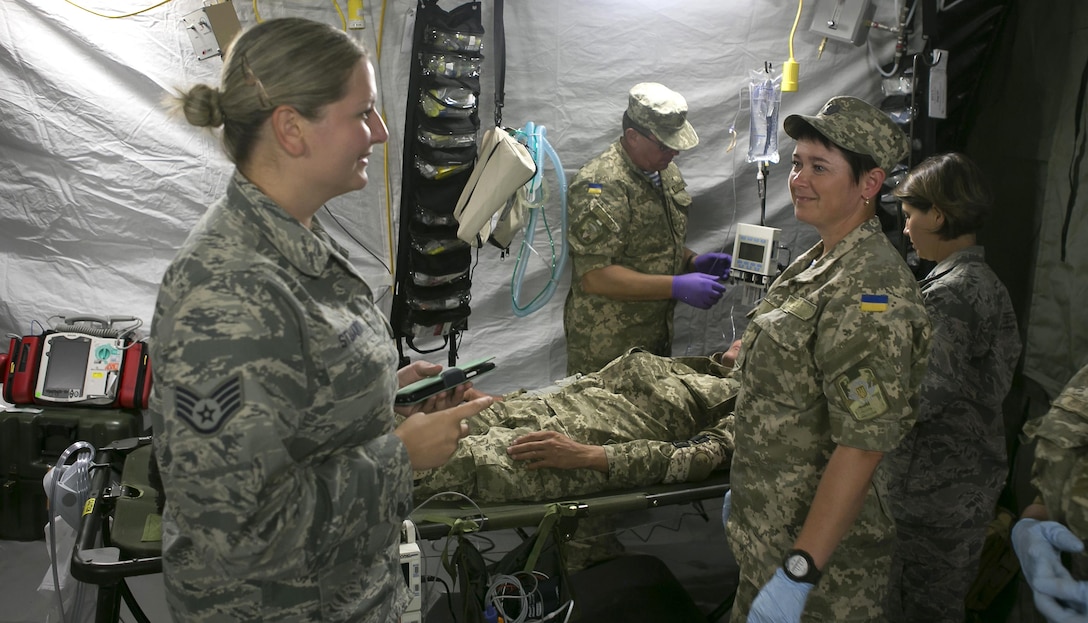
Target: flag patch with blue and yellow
[(594, 189), (874, 302)]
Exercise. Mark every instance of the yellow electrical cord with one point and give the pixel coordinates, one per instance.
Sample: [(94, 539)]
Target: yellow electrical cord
[(790, 68), (343, 20), (119, 16)]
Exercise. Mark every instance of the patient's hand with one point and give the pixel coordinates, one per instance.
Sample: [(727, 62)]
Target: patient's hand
[(548, 448), (729, 357)]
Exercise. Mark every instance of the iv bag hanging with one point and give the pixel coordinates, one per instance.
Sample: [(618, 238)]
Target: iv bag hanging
[(765, 91)]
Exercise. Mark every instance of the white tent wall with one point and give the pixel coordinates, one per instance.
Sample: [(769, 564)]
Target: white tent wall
[(99, 184)]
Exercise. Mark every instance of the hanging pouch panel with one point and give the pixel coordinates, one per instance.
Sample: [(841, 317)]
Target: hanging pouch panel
[(435, 323), (431, 290), (449, 98), (448, 133), (433, 200), (439, 164), (455, 38), (446, 297), (433, 241), (439, 268)]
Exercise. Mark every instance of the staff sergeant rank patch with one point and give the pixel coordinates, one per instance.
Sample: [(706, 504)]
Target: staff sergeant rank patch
[(863, 395), (207, 414), (874, 302)]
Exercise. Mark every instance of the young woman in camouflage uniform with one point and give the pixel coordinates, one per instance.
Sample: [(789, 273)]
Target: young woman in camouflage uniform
[(285, 480)]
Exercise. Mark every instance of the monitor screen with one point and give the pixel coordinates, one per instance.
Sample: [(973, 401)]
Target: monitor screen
[(751, 252), (67, 367)]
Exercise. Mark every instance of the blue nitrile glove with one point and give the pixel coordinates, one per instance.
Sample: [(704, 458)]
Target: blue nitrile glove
[(1062, 600), (697, 289), (716, 264), (781, 600), (1038, 546), (727, 505)]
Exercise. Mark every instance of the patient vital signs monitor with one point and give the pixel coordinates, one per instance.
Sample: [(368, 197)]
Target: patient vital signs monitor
[(755, 259), (79, 368), (756, 249)]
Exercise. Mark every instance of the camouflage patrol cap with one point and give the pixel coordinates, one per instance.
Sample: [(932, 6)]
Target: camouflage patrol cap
[(857, 126), (662, 112)]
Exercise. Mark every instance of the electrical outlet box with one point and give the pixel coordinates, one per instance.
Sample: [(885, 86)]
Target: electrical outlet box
[(843, 20), (212, 28)]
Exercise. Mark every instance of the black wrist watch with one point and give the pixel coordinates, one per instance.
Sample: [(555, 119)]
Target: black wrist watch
[(799, 567)]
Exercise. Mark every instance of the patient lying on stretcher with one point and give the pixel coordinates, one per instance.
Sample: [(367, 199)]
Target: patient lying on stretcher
[(640, 420)]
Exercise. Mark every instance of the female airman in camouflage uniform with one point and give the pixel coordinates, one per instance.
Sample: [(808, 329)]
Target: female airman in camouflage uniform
[(947, 474), (285, 480)]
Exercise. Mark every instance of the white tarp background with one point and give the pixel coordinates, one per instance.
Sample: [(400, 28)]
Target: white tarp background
[(99, 185)]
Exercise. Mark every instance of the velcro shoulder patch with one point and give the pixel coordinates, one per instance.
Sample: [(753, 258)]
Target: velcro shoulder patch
[(797, 306)]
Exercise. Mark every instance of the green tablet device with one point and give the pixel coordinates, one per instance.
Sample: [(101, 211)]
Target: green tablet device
[(445, 380)]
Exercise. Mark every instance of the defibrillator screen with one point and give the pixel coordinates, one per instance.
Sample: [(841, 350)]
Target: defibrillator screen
[(751, 252), (67, 366)]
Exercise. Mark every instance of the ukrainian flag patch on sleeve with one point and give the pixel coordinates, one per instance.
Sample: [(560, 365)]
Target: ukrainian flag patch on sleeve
[(593, 189), (874, 302)]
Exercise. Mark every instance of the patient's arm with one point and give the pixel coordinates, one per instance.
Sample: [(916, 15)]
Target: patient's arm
[(552, 449), (646, 462)]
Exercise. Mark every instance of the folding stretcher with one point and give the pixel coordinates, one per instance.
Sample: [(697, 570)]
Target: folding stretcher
[(120, 536), (438, 517)]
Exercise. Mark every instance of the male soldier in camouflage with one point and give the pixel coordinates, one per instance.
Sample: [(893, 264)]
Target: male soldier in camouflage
[(947, 474), (285, 480), (627, 222), (611, 429), (829, 370), (1057, 521)]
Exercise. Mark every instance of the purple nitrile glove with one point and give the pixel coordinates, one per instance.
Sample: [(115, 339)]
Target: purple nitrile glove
[(716, 264), (781, 600), (697, 289), (1038, 545)]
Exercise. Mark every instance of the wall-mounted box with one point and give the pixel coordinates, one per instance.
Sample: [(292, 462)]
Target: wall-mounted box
[(843, 20)]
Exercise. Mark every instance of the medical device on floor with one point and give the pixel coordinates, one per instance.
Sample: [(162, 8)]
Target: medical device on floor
[(411, 566), (755, 260)]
